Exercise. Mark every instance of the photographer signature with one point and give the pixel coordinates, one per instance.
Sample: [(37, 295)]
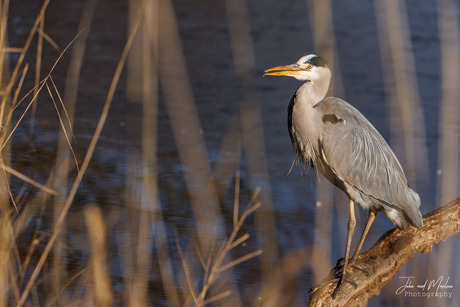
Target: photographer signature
[(430, 284)]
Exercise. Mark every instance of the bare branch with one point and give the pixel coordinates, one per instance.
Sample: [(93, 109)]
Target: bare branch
[(387, 256)]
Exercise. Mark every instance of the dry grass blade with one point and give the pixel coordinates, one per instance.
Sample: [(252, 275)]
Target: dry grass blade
[(205, 265), (236, 197), (7, 246), (52, 301), (19, 87), (32, 248), (243, 217), (187, 271), (239, 241), (69, 143), (22, 115), (7, 183), (26, 179), (42, 83), (6, 122), (64, 109), (14, 106), (217, 297), (11, 50), (38, 65), (255, 194), (240, 260), (34, 210), (49, 40), (3, 43)]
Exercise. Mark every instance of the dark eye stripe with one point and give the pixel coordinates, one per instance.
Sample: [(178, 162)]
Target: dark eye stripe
[(316, 61)]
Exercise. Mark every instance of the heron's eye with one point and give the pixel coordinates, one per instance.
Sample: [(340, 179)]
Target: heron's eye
[(309, 66)]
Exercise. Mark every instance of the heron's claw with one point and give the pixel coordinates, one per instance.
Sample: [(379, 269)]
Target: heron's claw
[(343, 274), (352, 264), (342, 280), (339, 280)]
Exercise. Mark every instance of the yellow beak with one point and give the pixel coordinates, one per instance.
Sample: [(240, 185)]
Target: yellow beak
[(286, 70)]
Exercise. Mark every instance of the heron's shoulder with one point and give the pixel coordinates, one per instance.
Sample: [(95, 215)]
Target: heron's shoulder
[(336, 108), (334, 104)]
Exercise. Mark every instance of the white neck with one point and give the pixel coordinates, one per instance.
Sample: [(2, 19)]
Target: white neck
[(312, 92)]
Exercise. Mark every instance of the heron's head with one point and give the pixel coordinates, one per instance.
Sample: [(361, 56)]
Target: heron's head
[(308, 68)]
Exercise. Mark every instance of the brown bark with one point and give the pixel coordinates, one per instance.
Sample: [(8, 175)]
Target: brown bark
[(387, 256)]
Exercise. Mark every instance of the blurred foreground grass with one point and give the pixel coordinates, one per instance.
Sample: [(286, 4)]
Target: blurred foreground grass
[(34, 267)]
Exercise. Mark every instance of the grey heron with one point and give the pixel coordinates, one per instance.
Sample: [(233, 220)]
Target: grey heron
[(342, 145)]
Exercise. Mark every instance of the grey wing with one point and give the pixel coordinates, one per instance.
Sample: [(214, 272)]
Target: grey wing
[(359, 156)]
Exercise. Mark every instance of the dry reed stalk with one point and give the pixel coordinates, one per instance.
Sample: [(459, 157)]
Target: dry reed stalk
[(406, 120), (141, 200), (38, 65), (18, 88), (3, 45), (8, 282), (200, 182), (449, 147), (284, 287), (449, 123), (252, 130), (149, 200), (64, 146), (5, 105), (34, 206), (185, 126), (99, 266), (27, 179), (325, 45), (406, 113), (229, 157), (64, 134)]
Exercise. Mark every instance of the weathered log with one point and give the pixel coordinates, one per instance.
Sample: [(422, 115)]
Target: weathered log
[(386, 257)]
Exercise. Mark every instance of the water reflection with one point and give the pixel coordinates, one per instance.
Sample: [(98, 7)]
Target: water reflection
[(217, 127)]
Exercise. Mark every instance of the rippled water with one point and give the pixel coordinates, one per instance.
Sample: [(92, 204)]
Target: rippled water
[(281, 32)]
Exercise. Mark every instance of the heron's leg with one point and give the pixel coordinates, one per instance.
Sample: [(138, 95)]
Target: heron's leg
[(370, 220), (351, 229)]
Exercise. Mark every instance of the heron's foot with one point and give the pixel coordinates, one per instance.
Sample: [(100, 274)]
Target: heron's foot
[(340, 281), (343, 272), (351, 264), (339, 278)]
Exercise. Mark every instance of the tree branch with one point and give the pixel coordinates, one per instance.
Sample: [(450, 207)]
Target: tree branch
[(387, 256)]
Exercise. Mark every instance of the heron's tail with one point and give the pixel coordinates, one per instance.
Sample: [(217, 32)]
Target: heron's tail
[(413, 209)]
